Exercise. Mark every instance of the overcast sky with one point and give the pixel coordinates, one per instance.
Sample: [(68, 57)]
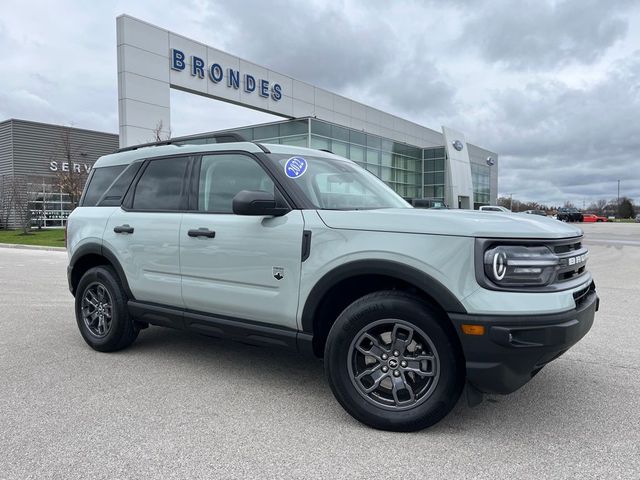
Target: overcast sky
[(552, 86)]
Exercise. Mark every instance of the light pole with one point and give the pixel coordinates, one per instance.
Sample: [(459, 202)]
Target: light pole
[(511, 202)]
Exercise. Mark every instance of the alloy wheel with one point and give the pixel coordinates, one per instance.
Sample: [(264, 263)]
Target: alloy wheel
[(97, 309), (393, 364)]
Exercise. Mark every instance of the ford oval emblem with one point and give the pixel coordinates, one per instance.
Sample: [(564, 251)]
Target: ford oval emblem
[(457, 144), (491, 161)]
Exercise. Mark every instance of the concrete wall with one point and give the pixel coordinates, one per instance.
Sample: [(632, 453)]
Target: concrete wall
[(6, 148)]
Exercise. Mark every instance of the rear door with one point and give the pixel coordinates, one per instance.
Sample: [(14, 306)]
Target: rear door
[(245, 267), (144, 233)]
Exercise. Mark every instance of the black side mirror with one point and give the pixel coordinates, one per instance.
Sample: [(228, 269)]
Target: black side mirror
[(249, 202)]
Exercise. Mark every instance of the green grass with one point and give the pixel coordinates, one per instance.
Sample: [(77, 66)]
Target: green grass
[(48, 238)]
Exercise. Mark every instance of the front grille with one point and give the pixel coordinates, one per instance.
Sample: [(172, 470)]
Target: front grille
[(568, 247), (573, 259)]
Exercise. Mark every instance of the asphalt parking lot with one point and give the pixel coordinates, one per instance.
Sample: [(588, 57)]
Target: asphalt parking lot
[(177, 405)]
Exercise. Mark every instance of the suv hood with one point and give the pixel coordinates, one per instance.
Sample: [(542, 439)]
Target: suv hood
[(462, 223)]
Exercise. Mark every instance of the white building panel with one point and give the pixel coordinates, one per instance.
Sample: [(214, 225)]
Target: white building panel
[(460, 191)]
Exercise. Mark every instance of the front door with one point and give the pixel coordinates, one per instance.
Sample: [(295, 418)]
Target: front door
[(244, 267)]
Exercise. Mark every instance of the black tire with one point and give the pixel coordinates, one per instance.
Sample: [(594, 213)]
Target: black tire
[(376, 311), (121, 330)]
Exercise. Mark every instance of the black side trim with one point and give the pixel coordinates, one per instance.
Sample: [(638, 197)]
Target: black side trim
[(245, 331), (403, 272), (306, 244)]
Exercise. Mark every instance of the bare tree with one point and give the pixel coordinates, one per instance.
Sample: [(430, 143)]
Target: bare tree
[(159, 135), (598, 207), (20, 202), (70, 176)]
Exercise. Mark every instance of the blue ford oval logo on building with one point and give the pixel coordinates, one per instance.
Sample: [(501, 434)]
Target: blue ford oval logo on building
[(295, 167), (491, 161), (457, 144)]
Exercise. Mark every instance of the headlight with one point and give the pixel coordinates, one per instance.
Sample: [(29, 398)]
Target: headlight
[(519, 266)]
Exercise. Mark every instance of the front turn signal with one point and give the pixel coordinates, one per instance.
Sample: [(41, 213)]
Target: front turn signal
[(472, 329)]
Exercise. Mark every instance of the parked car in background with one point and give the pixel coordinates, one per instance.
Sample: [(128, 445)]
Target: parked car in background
[(592, 217), (494, 208), (638, 218), (569, 215), (430, 203), (542, 213)]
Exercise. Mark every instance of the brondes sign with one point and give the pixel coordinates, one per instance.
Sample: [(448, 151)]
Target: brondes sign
[(216, 73)]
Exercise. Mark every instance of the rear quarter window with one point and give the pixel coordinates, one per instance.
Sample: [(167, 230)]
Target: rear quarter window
[(99, 182)]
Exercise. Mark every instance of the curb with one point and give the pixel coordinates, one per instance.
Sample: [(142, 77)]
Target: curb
[(32, 247)]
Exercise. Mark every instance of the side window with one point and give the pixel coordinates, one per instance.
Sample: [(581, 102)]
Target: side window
[(161, 186), (113, 195), (100, 181), (223, 176)]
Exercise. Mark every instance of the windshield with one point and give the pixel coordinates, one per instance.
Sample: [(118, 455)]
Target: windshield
[(333, 184)]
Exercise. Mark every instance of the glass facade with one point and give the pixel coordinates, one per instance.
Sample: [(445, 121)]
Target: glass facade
[(434, 173), (397, 164), (49, 206), (481, 179), (413, 172)]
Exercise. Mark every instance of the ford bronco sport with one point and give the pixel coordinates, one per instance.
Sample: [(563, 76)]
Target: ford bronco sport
[(292, 247)]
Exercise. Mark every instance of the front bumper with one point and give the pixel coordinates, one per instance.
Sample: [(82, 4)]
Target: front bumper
[(515, 348)]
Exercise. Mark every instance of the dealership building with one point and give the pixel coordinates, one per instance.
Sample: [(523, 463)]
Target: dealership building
[(416, 161), (36, 158)]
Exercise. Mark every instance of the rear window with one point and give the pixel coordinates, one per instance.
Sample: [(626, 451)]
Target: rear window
[(115, 193), (99, 182)]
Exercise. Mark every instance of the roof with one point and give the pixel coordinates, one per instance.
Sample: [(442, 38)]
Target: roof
[(126, 157)]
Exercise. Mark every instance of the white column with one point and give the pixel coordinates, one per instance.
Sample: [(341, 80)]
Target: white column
[(459, 181), (143, 81)]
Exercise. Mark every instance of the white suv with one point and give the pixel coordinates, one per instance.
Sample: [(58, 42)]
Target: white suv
[(291, 247)]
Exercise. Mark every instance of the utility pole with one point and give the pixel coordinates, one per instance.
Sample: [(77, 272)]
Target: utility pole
[(618, 204), (511, 202)]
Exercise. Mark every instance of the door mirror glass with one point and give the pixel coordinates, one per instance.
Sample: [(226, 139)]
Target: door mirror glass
[(253, 202)]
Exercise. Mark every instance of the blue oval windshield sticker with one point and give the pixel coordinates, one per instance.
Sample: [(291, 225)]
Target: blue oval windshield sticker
[(295, 167)]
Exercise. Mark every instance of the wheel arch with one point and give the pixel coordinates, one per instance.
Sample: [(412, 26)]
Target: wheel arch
[(344, 284), (91, 255)]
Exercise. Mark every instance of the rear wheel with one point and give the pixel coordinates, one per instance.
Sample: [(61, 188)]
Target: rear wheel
[(101, 311), (392, 363)]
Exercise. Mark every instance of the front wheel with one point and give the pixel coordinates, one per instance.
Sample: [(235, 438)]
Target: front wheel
[(392, 363)]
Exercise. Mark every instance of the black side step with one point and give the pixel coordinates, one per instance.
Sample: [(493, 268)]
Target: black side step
[(244, 331)]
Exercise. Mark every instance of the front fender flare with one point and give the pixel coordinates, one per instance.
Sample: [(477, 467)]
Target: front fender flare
[(419, 279)]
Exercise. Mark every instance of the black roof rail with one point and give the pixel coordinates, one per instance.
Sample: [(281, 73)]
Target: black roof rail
[(229, 137), (262, 147)]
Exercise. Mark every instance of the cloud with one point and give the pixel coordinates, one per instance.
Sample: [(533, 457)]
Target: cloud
[(553, 137), (537, 34)]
